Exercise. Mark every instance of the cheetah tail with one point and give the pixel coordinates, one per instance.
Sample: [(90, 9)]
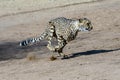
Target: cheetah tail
[(33, 40)]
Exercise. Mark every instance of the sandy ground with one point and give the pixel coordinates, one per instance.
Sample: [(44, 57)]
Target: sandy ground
[(95, 54), (12, 7)]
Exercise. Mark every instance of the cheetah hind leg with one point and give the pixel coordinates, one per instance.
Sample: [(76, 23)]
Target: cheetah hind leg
[(52, 49)]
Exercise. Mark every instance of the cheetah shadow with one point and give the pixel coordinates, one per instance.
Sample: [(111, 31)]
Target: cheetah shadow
[(12, 50), (91, 52)]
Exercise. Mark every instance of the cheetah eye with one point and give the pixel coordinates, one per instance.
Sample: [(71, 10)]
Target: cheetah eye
[(88, 23)]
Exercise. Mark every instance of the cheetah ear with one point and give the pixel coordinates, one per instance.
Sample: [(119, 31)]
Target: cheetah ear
[(49, 21), (80, 20)]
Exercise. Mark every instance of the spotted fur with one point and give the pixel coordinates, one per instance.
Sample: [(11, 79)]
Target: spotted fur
[(64, 30)]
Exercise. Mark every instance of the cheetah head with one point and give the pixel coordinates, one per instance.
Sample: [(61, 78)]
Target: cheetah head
[(84, 24)]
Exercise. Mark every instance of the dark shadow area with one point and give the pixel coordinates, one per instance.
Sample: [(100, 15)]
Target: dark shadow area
[(91, 52), (12, 50)]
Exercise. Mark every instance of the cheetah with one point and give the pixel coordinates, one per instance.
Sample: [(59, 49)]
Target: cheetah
[(63, 30)]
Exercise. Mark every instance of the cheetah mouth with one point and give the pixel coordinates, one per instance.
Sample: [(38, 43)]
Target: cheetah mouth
[(83, 29)]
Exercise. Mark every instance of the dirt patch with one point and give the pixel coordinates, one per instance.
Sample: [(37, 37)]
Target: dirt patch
[(12, 50)]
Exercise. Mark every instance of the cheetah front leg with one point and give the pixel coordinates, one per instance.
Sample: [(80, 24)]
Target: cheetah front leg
[(61, 44)]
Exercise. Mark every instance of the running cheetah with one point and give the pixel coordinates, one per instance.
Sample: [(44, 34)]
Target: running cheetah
[(63, 30)]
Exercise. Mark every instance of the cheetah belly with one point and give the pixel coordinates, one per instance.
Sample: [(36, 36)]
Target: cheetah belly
[(66, 33)]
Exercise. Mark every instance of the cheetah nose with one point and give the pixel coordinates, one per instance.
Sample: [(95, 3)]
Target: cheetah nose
[(90, 28)]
